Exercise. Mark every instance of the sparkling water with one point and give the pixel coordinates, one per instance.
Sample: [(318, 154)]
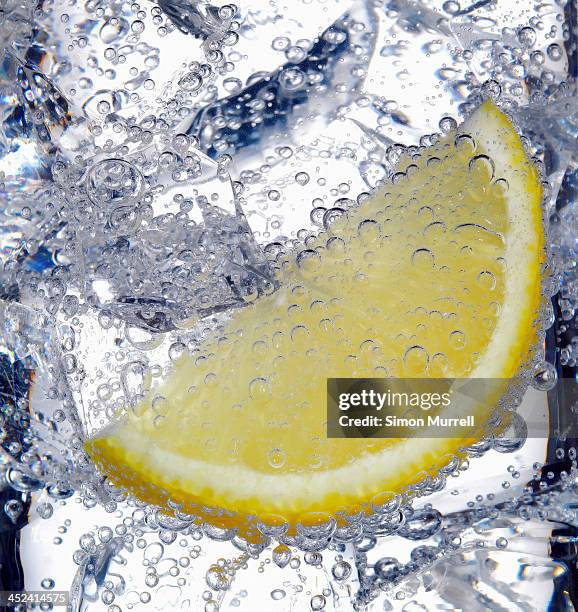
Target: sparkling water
[(155, 158)]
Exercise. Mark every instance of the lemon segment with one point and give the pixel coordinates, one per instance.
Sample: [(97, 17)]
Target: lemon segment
[(435, 275)]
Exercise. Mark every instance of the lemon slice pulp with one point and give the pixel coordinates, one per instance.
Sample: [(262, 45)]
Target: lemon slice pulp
[(435, 275)]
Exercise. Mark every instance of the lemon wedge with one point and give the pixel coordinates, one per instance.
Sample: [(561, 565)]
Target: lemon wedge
[(437, 274)]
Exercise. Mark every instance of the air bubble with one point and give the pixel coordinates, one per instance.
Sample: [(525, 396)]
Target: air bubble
[(113, 182), (457, 339), (341, 570), (527, 37), (292, 79), (318, 603), (549, 315), (555, 52), (137, 27), (308, 259), (47, 583), (447, 124), (285, 152), (465, 144), (153, 553), (487, 280), (191, 82), (295, 54), (501, 543), (124, 219), (416, 360), (143, 339), (332, 215), (544, 377), (272, 525), (280, 43), (281, 555), (105, 534), (421, 524), (45, 510), (435, 46), (387, 568), (386, 503), (438, 365), (538, 58), (492, 89), (482, 168), (302, 178), (501, 187), (313, 558), (276, 458), (434, 230), (369, 231), (217, 579), (113, 30), (513, 437), (103, 107), (317, 215), (232, 85), (423, 259), (451, 7)]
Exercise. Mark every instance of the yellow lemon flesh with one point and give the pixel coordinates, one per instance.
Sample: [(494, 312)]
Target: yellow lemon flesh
[(435, 275)]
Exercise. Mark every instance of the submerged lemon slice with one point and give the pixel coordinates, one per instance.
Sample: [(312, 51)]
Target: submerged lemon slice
[(435, 275)]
